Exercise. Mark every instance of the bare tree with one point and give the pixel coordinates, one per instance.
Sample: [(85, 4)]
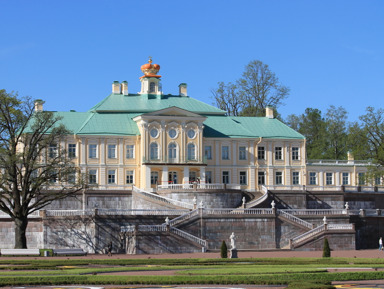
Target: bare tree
[(35, 170), (227, 98)]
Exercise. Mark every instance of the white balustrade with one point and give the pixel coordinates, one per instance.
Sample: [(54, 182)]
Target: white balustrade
[(184, 217), (294, 219), (315, 212), (188, 236)]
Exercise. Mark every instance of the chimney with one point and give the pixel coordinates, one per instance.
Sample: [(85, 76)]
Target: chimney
[(269, 112), (124, 87), (350, 157), (39, 105), (116, 87), (183, 89)]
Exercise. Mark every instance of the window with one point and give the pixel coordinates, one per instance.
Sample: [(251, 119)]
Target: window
[(361, 179), (378, 181), (52, 150), (71, 150), (191, 152), (295, 153), (129, 177), (112, 151), (92, 174), (130, 151), (329, 179), (312, 178), (295, 178), (154, 178), (208, 177), (225, 177), (242, 153), (261, 153), (154, 151), (71, 177), (172, 133), (191, 133), (261, 178), (208, 152), (345, 178), (192, 176), (172, 149), (154, 132), (278, 153), (243, 178), (225, 152), (152, 87), (279, 178), (92, 151), (111, 176), (53, 177)]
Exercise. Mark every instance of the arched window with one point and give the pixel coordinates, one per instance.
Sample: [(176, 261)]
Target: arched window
[(152, 87), (154, 151), (191, 153), (172, 152)]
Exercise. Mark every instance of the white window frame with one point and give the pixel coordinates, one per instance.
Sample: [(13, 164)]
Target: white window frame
[(279, 178), (111, 177), (92, 151), (243, 179), (112, 151), (129, 177), (345, 178), (278, 153), (154, 151), (191, 152), (72, 150), (329, 179), (208, 177), (261, 178), (242, 153), (295, 153), (173, 152), (130, 151), (295, 178), (225, 153), (52, 151), (261, 152), (154, 177), (226, 177), (92, 174), (312, 178), (208, 152)]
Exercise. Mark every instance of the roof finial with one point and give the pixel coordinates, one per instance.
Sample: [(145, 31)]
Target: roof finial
[(150, 59)]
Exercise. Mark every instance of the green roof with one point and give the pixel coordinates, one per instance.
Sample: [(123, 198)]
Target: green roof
[(136, 103), (248, 127)]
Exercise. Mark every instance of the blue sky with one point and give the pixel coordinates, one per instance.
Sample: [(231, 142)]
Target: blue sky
[(69, 52)]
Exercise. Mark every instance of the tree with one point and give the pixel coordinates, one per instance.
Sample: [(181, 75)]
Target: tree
[(326, 249), (336, 133), (223, 250), (253, 92), (260, 88), (35, 170)]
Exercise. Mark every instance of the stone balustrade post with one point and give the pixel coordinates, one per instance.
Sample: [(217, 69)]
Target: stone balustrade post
[(325, 227), (362, 213), (274, 211), (95, 211), (168, 228), (43, 214)]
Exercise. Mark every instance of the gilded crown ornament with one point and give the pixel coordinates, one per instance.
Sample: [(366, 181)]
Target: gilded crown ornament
[(150, 70)]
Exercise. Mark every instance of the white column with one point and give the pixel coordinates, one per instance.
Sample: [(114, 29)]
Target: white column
[(252, 153), (202, 175), (164, 176), (287, 155), (102, 151), (186, 175), (147, 177), (217, 152), (337, 178), (269, 153), (234, 153), (321, 178), (287, 176), (121, 151), (82, 150), (251, 179)]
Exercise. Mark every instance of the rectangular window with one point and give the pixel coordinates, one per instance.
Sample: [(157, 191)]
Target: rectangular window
[(129, 177), (242, 153), (261, 178), (225, 176), (329, 179), (72, 177), (208, 152), (92, 151), (130, 151), (279, 178), (112, 151), (225, 152), (208, 177), (111, 177), (378, 181), (345, 178), (243, 178), (71, 150), (295, 153), (361, 179), (154, 178), (261, 153), (295, 178), (53, 177), (278, 153), (52, 150), (312, 178), (92, 174)]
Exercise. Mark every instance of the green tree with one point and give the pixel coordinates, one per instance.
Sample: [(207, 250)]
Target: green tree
[(336, 133), (223, 250), (258, 88), (34, 168), (326, 249)]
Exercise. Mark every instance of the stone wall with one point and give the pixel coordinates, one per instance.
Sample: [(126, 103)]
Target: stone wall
[(337, 241), (35, 234)]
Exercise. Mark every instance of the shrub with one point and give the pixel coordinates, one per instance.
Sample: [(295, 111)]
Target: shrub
[(224, 250), (326, 249)]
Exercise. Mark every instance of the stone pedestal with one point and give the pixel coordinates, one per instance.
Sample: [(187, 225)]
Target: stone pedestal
[(233, 253)]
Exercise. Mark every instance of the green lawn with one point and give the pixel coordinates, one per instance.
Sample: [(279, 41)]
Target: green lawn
[(293, 272)]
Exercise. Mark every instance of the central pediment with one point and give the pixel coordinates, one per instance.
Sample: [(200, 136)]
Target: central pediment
[(170, 113)]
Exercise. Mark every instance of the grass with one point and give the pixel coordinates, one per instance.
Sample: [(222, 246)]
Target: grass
[(294, 272)]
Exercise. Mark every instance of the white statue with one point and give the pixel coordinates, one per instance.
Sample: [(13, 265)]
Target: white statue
[(325, 220), (201, 205), (273, 204), (194, 200), (346, 206), (232, 238), (243, 201), (167, 221)]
